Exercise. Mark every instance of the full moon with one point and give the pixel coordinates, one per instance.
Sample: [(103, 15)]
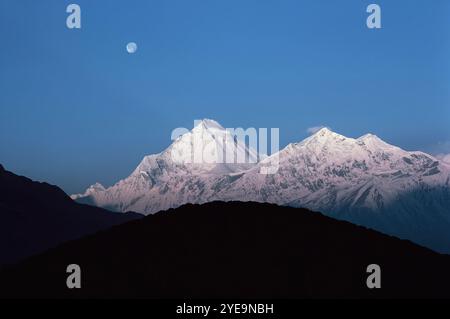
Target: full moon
[(131, 47)]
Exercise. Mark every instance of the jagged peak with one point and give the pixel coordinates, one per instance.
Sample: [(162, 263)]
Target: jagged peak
[(324, 135), (97, 186), (207, 124), (369, 136), (208, 143), (324, 131), (373, 140)]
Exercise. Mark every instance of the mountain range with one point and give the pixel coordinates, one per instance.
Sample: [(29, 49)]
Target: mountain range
[(232, 250), (364, 180), (37, 216)]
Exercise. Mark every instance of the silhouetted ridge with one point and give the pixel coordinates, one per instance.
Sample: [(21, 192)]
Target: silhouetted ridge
[(36, 216), (233, 250)]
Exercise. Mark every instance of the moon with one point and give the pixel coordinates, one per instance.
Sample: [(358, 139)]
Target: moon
[(131, 47)]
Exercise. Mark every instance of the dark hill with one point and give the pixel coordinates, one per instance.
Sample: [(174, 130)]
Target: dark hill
[(233, 250), (37, 216)]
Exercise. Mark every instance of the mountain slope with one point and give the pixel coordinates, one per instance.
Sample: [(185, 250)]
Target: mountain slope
[(233, 250), (365, 180), (37, 216)]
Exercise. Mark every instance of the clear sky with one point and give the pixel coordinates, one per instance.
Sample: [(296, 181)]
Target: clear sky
[(76, 108)]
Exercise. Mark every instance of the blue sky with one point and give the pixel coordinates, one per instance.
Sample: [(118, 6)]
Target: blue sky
[(76, 108)]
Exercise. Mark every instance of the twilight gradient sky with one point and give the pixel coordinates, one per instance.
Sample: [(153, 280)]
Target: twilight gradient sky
[(76, 108)]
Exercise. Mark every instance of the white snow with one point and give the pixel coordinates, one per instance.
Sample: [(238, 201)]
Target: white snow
[(309, 169)]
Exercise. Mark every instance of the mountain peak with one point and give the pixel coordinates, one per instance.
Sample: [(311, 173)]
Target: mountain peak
[(324, 131), (325, 134), (368, 136), (210, 147), (208, 124), (374, 141), (97, 186)]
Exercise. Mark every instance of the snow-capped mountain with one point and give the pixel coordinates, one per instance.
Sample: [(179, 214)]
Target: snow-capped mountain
[(363, 180), (185, 172)]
